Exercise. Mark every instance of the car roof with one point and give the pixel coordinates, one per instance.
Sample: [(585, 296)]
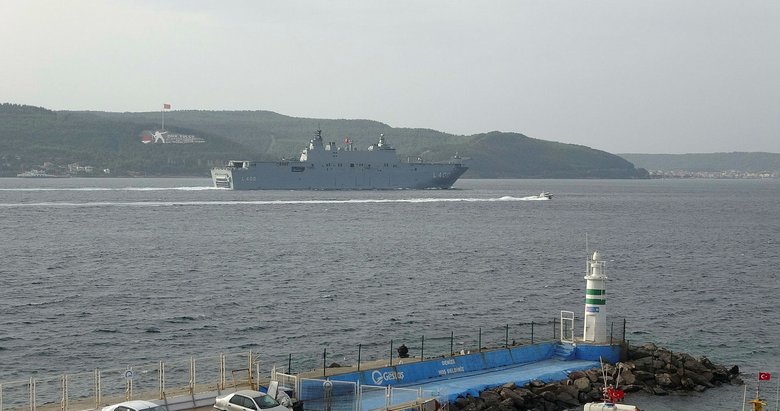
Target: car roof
[(137, 404), (249, 393)]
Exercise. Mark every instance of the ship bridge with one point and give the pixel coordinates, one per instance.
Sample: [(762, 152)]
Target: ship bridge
[(318, 153)]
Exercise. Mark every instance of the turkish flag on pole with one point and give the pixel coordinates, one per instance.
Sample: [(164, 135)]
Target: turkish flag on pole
[(166, 106), (764, 376)]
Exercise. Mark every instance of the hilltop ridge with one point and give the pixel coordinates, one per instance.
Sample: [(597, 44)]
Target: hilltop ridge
[(31, 136)]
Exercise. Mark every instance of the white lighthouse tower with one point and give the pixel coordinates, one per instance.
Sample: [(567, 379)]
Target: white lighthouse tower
[(596, 301)]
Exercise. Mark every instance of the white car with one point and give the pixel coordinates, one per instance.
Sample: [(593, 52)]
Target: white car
[(135, 405), (248, 400)]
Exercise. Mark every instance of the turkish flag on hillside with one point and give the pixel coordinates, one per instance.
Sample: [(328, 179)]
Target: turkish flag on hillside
[(166, 106), (764, 376)]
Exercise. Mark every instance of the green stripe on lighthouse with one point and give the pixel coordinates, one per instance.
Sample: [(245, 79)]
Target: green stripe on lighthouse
[(591, 291), (595, 301)]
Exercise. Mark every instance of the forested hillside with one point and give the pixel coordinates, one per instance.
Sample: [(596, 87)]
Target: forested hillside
[(32, 136)]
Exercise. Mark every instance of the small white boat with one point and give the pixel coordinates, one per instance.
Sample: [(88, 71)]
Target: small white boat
[(612, 398), (546, 194), (609, 406), (610, 402)]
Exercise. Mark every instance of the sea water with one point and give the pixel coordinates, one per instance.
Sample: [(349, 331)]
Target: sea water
[(100, 273)]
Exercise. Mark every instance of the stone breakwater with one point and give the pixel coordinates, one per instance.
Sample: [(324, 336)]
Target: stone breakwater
[(649, 368)]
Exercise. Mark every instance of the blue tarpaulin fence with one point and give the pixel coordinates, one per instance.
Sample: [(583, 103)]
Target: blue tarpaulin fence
[(471, 373)]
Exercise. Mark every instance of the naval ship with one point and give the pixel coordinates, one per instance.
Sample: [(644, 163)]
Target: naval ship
[(329, 167)]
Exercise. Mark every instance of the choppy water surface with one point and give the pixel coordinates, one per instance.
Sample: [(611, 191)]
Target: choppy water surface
[(99, 273)]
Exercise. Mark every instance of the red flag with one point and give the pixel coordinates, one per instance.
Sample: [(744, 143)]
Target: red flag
[(614, 394), (764, 376), (166, 106)]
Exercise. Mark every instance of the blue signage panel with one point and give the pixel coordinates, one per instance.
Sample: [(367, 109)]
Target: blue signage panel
[(450, 366), (447, 367)]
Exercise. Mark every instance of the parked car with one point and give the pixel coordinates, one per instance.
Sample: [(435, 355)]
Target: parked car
[(248, 400), (135, 405)]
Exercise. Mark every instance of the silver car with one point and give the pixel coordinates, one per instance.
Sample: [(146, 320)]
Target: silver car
[(248, 400), (135, 405)]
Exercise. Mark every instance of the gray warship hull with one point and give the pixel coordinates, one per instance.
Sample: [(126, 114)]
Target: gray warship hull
[(298, 176), (328, 167)]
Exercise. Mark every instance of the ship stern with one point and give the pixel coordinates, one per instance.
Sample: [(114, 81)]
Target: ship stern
[(222, 178)]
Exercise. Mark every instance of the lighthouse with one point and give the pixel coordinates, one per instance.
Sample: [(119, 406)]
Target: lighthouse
[(595, 301)]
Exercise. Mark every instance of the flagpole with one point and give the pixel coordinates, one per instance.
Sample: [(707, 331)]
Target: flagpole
[(777, 395), (744, 398), (163, 119)]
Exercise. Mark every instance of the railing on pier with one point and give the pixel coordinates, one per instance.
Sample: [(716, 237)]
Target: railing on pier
[(161, 380), (229, 372), (325, 394)]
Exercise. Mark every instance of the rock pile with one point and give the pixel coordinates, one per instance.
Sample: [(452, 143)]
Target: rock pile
[(649, 368)]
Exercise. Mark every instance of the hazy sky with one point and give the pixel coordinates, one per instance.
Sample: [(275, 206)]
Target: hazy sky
[(647, 76)]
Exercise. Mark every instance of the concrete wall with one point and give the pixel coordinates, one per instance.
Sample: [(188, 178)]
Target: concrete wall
[(608, 353)]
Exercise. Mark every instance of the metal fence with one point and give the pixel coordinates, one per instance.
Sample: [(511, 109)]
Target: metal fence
[(326, 395), (422, 347), (188, 376), (91, 390), (419, 347)]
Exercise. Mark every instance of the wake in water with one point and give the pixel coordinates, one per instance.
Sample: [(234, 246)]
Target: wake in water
[(268, 202), (201, 188)]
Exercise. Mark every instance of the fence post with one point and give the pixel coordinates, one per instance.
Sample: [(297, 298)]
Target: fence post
[(249, 368), (192, 375), (221, 383), (64, 399), (32, 394), (128, 384), (624, 330), (555, 322), (506, 337), (479, 344), (532, 333), (257, 372), (422, 348), (360, 347), (391, 353), (289, 364), (161, 373), (611, 326), (324, 355), (98, 398), (452, 343)]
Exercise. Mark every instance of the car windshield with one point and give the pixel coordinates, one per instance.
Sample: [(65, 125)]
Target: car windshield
[(265, 401)]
